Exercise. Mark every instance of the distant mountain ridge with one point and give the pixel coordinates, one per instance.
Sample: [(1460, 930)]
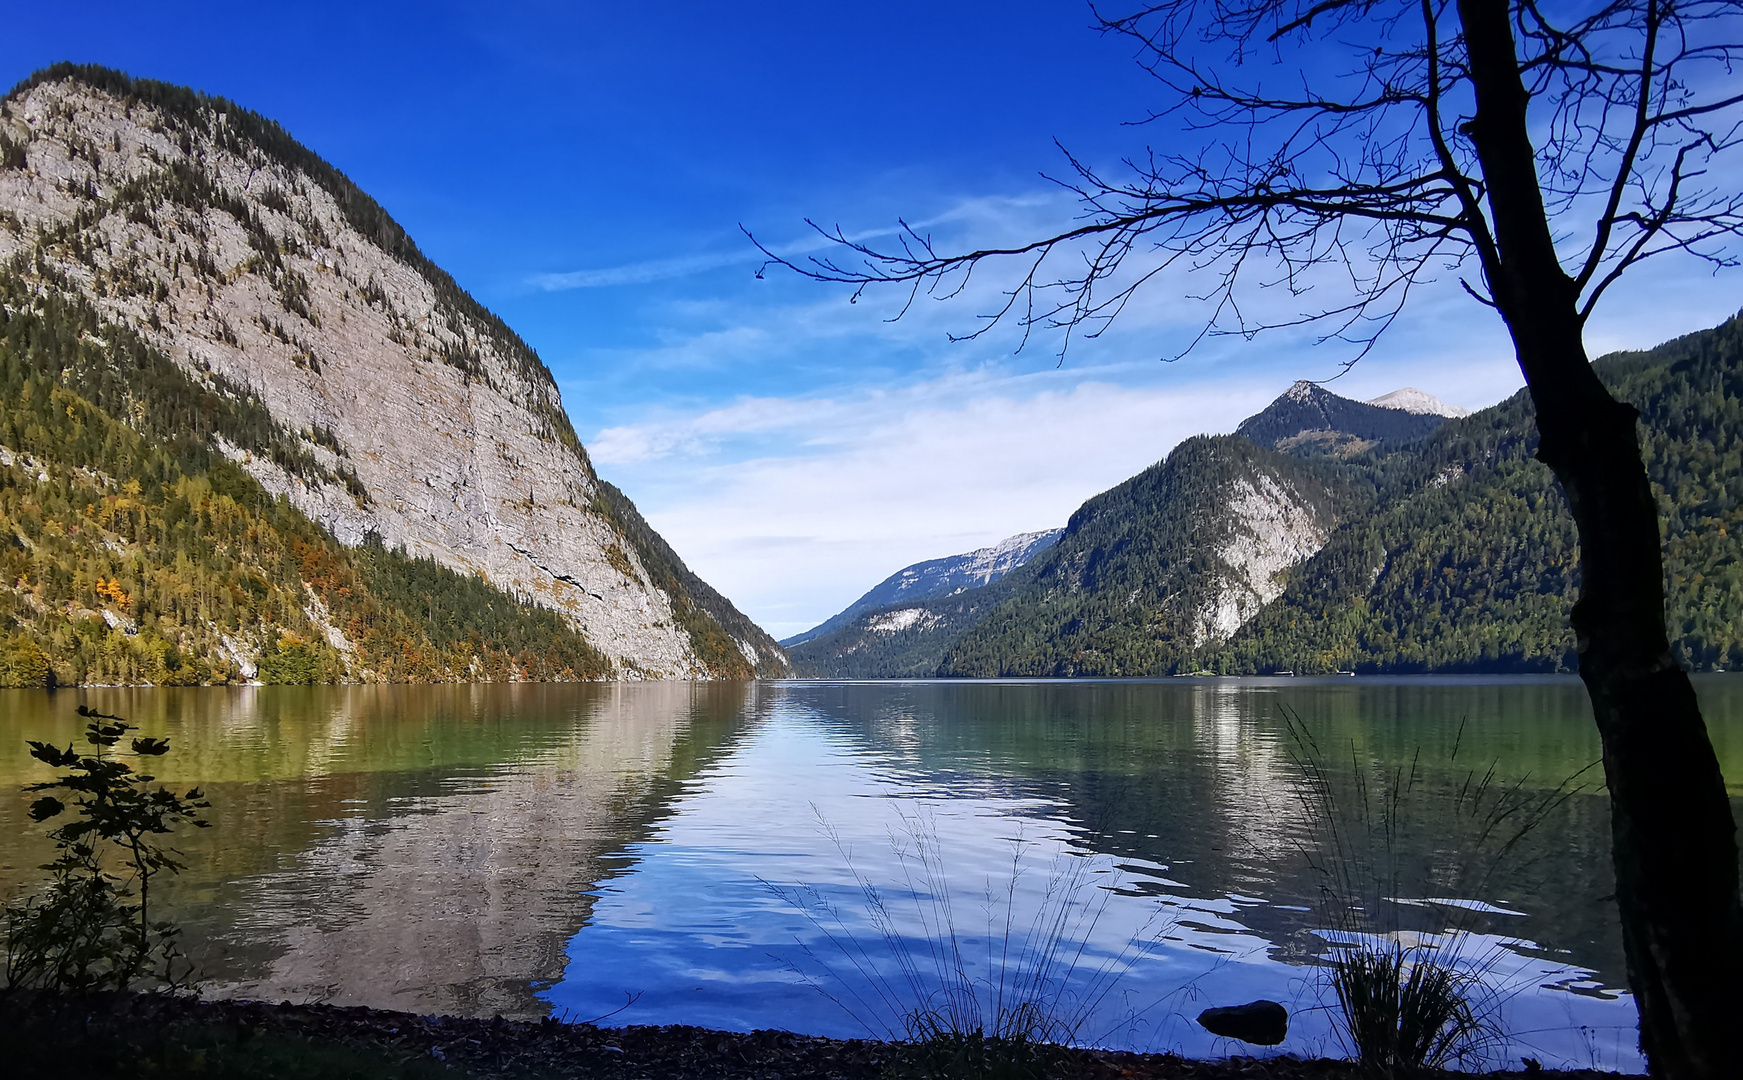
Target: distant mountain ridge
[(1334, 535), (1179, 556), (901, 626), (1172, 561), (936, 578)]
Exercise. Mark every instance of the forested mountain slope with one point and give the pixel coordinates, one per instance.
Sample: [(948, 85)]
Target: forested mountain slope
[(1177, 557), (170, 255), (1467, 563), (135, 553), (1358, 549)]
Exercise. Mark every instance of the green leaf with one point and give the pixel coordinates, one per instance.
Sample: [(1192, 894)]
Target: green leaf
[(46, 807)]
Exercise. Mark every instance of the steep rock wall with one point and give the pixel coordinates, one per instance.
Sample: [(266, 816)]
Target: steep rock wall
[(422, 420), (1271, 530)]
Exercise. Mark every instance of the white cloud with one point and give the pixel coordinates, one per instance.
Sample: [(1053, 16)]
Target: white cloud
[(869, 484), (703, 433), (794, 505)]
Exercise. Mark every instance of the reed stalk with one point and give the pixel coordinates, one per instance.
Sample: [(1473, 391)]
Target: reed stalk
[(990, 1006), (1413, 999)]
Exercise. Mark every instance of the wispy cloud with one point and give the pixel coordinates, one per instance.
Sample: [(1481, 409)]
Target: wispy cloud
[(794, 502), (802, 423), (985, 215), (640, 273)]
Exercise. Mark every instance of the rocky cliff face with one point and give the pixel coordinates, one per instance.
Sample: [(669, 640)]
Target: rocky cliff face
[(1269, 528), (418, 418)]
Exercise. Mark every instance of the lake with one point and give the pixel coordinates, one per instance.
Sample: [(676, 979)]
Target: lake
[(818, 856)]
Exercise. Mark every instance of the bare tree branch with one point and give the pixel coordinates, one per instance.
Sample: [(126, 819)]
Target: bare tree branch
[(1267, 183)]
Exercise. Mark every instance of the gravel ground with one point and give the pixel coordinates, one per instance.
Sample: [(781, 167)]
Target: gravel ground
[(549, 1049)]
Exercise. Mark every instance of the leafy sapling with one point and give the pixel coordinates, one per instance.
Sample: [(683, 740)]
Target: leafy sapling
[(91, 928)]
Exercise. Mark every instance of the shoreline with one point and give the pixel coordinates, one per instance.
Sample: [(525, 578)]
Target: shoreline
[(143, 1028)]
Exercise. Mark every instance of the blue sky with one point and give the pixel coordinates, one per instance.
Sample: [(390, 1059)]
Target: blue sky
[(584, 169)]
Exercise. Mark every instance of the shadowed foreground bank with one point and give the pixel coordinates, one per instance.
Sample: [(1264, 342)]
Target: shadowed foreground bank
[(50, 1037)]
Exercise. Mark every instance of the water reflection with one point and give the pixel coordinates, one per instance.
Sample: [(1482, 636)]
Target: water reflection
[(421, 848), (1256, 794), (524, 849), (1180, 801)]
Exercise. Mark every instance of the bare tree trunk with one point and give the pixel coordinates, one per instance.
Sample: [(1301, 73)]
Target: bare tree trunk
[(1674, 840)]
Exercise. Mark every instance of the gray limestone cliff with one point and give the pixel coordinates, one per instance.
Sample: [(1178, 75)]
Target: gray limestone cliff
[(210, 233)]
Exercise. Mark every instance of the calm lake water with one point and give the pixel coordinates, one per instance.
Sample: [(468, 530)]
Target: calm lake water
[(802, 855)]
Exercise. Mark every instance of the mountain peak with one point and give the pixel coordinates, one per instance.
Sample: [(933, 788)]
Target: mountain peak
[(1419, 402), (1308, 416)]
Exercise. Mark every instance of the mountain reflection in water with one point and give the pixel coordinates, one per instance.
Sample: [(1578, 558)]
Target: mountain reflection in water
[(525, 849), (1184, 799), (420, 848)]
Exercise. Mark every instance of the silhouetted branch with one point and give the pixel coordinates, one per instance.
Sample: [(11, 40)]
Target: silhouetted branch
[(1286, 173)]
